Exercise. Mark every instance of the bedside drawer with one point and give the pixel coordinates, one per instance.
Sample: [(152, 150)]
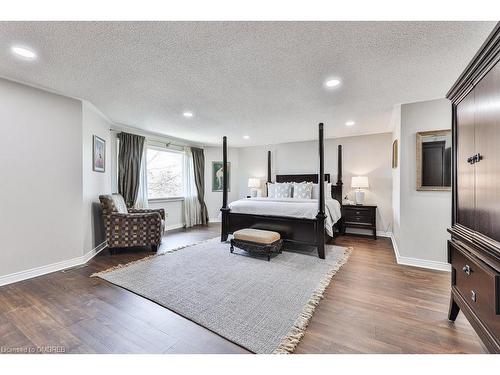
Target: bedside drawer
[(477, 284), (360, 215)]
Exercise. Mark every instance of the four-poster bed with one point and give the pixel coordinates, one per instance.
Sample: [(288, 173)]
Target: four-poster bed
[(308, 231)]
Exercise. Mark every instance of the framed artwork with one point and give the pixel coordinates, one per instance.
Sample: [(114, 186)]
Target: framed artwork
[(395, 154), (99, 154), (217, 177)]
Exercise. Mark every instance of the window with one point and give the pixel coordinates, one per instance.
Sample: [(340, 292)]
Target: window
[(165, 173)]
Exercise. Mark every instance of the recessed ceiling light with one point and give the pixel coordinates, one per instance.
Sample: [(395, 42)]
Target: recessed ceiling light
[(188, 114), (246, 137), (333, 82), (350, 123), (23, 52)]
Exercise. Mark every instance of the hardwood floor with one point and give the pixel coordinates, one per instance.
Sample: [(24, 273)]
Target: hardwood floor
[(373, 305)]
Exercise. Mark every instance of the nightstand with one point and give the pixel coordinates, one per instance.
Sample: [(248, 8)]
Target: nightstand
[(360, 216)]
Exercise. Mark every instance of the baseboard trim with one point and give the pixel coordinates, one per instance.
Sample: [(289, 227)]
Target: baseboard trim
[(50, 268), (368, 232), (174, 226), (420, 263), (96, 250), (215, 220)]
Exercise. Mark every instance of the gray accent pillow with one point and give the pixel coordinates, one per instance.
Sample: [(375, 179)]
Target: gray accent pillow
[(279, 190), (302, 190)]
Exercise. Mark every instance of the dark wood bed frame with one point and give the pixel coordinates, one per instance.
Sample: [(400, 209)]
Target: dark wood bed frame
[(300, 231)]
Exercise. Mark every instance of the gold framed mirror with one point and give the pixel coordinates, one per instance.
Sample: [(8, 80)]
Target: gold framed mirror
[(434, 160)]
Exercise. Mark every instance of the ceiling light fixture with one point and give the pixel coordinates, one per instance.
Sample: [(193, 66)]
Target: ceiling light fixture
[(350, 123), (188, 114), (23, 52), (330, 83), (246, 137)]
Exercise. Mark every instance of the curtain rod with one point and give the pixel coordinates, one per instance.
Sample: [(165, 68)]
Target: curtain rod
[(157, 139)]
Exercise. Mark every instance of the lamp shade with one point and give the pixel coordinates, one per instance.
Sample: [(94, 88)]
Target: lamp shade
[(254, 183), (360, 182)]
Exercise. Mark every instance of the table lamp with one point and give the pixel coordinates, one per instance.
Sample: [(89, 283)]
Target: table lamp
[(254, 185), (358, 183)]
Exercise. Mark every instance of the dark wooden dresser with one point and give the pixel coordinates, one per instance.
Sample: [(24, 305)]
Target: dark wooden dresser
[(474, 247), (360, 216)]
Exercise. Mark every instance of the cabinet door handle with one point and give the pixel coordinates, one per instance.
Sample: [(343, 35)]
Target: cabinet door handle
[(466, 269), (469, 160), (476, 158)]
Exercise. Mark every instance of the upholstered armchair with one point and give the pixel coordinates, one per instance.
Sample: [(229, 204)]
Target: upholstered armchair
[(127, 227)]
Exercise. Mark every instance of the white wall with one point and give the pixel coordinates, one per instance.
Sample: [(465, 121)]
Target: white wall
[(396, 176), (94, 183), (213, 199), (253, 163), (174, 209), (368, 155), (40, 178), (424, 215)]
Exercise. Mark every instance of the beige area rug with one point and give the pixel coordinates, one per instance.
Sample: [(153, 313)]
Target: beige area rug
[(262, 306)]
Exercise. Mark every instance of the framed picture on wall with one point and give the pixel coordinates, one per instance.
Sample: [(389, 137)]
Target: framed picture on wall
[(395, 154), (217, 178), (99, 154)]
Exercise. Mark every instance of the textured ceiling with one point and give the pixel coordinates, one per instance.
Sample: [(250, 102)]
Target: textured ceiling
[(262, 79)]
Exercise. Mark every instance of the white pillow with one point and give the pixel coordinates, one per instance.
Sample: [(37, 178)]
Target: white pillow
[(328, 191), (302, 190), (279, 190)]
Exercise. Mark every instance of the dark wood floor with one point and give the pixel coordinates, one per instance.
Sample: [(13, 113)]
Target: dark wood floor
[(372, 306)]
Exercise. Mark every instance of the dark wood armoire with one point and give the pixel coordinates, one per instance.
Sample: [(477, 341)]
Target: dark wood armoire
[(474, 247)]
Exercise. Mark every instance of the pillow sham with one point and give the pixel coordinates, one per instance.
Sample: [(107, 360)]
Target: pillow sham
[(328, 190), (279, 190), (302, 190)]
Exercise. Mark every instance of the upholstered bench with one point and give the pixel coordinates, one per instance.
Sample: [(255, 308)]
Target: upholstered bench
[(257, 241)]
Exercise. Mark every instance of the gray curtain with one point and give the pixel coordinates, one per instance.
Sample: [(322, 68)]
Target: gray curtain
[(199, 178), (129, 166)]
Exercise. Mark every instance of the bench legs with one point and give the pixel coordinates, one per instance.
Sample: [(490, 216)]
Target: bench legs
[(257, 249)]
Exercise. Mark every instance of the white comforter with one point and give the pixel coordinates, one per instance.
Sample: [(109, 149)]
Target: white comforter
[(302, 208)]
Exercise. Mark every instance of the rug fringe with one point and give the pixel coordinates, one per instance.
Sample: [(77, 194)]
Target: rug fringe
[(119, 266), (289, 342)]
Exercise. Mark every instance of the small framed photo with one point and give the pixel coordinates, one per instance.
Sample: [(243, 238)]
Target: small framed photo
[(99, 154), (217, 177)]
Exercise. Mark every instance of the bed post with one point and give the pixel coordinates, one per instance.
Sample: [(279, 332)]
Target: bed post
[(224, 209), (320, 217), (339, 165), (269, 166), (268, 172)]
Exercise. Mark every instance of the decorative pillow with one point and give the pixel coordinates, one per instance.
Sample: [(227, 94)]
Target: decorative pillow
[(119, 204), (302, 190), (279, 190), (328, 190)]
